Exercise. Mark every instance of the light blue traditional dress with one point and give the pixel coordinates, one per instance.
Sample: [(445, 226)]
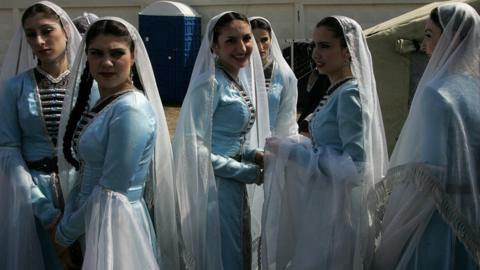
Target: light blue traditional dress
[(115, 146), (30, 107), (232, 161), (31, 101), (318, 191), (282, 99), (222, 122), (338, 122), (432, 217)]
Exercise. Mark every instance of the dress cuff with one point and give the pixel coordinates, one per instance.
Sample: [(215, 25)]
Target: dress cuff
[(61, 238)]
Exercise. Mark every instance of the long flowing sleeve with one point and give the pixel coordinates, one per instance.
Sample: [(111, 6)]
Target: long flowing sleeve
[(228, 167), (350, 125)]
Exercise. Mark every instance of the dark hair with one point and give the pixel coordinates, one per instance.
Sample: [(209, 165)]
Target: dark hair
[(40, 8), (261, 24), (105, 27), (224, 20), (461, 23), (334, 25), (43, 9), (435, 18)]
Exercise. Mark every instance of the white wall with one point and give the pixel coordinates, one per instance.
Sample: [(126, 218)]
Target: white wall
[(290, 18)]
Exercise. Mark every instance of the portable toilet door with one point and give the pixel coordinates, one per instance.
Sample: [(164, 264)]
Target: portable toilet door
[(171, 32)]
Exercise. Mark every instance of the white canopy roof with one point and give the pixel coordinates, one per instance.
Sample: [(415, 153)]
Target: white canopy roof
[(169, 8)]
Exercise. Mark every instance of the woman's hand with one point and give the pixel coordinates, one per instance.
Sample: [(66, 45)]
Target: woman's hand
[(259, 158), (306, 134)]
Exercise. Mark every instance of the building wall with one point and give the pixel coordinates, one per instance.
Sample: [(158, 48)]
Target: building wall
[(290, 19)]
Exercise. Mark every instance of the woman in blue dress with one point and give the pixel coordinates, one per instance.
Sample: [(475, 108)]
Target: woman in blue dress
[(281, 87), (30, 107), (432, 217), (112, 144), (318, 205), (224, 118), (281, 83)]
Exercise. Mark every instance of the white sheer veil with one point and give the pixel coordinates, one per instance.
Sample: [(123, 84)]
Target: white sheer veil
[(435, 163), (375, 146), (332, 208), (195, 180), (161, 174), (288, 77), (282, 128), (17, 226), (19, 56)]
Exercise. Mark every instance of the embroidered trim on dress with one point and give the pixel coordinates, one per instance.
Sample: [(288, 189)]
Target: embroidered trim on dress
[(427, 178), (268, 71), (51, 92), (248, 102)]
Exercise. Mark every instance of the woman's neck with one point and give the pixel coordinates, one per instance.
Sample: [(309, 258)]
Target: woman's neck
[(55, 68), (233, 72), (106, 92), (340, 75)]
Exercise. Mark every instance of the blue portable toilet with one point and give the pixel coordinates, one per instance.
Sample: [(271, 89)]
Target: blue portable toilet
[(171, 32)]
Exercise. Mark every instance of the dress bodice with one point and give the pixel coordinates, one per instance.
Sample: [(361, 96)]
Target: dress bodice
[(339, 123), (232, 117), (116, 147), (30, 113)]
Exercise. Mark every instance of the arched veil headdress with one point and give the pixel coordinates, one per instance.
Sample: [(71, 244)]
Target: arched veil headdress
[(435, 163), (195, 180), (17, 227), (19, 56), (289, 80), (337, 231), (161, 174)]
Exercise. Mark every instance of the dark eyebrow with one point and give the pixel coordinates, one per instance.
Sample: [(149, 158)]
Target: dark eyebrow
[(48, 25), (40, 27), (94, 50)]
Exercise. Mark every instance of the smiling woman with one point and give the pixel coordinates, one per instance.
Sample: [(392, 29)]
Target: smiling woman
[(318, 206), (224, 118)]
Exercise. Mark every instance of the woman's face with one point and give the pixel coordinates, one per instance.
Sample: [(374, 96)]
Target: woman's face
[(329, 55), (110, 61), (46, 38), (234, 45), (264, 41), (431, 37)]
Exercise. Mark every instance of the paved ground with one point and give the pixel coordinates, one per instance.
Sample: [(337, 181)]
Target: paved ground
[(171, 113)]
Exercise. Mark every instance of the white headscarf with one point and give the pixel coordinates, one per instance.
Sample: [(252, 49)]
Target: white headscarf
[(83, 21), (161, 174), (195, 180), (19, 56), (319, 213), (435, 163)]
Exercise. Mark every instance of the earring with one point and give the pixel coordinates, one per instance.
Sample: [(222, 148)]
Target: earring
[(131, 75)]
